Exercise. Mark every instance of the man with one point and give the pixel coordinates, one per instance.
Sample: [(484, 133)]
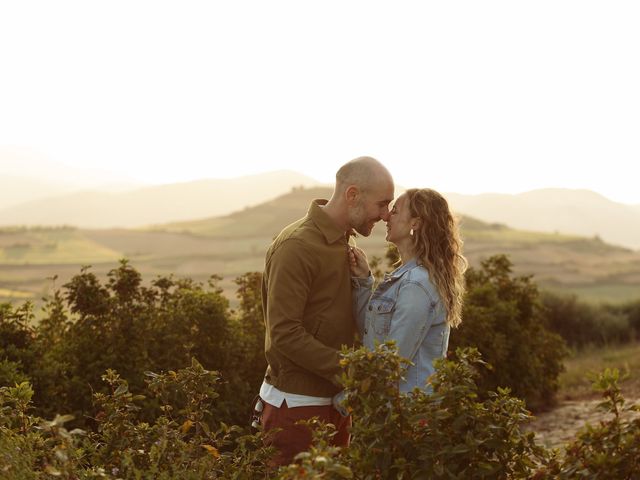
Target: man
[(306, 300)]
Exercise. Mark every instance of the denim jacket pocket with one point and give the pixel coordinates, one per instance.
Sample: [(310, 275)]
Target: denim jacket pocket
[(381, 310)]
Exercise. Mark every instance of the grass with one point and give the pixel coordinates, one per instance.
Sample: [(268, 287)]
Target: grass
[(14, 294), (596, 294), (575, 383), (51, 246)]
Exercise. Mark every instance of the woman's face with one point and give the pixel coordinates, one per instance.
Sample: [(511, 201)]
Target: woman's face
[(398, 225)]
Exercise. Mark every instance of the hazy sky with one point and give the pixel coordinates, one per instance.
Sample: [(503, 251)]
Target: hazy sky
[(461, 96)]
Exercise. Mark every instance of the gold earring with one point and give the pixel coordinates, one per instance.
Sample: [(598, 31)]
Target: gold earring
[(411, 232)]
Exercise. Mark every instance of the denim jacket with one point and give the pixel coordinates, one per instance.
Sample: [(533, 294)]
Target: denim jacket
[(405, 307)]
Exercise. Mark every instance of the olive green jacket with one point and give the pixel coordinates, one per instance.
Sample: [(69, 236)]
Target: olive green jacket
[(306, 301)]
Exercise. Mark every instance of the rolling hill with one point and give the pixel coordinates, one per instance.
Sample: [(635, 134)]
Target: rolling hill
[(150, 205), (233, 244), (566, 211), (578, 212)]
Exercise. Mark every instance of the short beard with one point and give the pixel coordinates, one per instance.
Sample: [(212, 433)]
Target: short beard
[(358, 221)]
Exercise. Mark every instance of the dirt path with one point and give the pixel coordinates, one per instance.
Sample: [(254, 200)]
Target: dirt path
[(560, 425)]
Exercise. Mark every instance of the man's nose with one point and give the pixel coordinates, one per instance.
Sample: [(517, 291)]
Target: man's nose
[(385, 214)]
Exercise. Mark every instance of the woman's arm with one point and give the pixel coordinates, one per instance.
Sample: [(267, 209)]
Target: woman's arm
[(412, 317)]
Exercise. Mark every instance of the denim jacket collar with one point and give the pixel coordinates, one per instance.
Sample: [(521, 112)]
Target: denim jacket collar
[(401, 270)]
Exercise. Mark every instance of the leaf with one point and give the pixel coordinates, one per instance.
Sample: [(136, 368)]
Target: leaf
[(205, 428), (51, 470), (122, 388), (212, 450), (365, 385), (62, 419), (461, 448), (341, 470), (186, 426)]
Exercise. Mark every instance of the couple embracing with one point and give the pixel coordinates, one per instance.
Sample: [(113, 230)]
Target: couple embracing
[(317, 295)]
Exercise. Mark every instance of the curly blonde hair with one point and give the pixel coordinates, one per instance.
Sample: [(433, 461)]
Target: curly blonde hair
[(438, 246)]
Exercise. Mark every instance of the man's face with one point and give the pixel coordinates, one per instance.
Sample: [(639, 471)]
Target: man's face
[(371, 206)]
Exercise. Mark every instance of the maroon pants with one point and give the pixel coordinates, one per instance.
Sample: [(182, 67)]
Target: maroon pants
[(293, 439)]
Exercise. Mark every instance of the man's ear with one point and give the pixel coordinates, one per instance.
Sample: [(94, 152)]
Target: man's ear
[(351, 194)]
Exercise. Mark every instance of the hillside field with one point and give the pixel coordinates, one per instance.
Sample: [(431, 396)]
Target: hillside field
[(234, 244)]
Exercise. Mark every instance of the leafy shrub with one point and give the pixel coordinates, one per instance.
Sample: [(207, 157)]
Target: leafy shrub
[(183, 442), (449, 434), (453, 433), (581, 324), (631, 311), (608, 450), (16, 340), (503, 319), (184, 423), (91, 326)]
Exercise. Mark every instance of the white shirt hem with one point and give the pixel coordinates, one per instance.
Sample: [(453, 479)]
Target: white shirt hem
[(275, 397)]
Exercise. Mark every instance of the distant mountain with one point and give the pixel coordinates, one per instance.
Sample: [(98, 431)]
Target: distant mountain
[(579, 212), (52, 198), (26, 175), (150, 205), (15, 190)]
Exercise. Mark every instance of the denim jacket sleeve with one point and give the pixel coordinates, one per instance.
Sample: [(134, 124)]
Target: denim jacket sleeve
[(362, 289), (412, 318)]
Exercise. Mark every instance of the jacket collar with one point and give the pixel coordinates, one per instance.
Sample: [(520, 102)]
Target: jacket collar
[(332, 233), (402, 269)]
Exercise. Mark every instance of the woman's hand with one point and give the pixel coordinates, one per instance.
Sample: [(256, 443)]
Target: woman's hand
[(358, 263), (337, 402)]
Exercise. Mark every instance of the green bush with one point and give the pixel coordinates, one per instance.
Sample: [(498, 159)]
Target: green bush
[(452, 433), (631, 311), (183, 422), (503, 319), (16, 342), (183, 442), (90, 326), (581, 324), (608, 450)]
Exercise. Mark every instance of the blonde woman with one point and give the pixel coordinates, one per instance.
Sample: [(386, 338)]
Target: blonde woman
[(417, 304)]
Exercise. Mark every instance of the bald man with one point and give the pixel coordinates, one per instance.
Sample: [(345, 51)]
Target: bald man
[(306, 300)]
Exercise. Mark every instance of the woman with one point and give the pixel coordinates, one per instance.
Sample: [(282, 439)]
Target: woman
[(418, 303)]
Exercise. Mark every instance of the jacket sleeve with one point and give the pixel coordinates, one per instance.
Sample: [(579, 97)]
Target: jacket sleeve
[(412, 317), (361, 295), (291, 274)]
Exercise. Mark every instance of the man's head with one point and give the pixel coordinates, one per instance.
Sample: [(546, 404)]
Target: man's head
[(365, 188)]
